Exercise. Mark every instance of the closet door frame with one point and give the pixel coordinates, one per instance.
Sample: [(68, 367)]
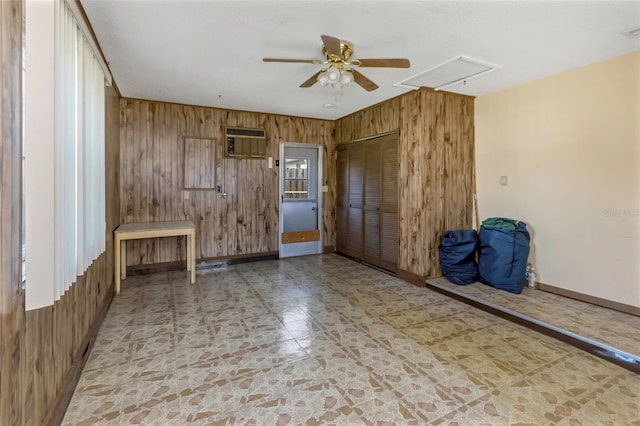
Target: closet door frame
[(345, 147)]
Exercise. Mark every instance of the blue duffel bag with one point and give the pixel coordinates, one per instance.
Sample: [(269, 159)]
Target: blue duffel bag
[(458, 256), (504, 250)]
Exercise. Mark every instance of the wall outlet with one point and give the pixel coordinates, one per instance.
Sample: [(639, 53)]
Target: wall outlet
[(325, 188)]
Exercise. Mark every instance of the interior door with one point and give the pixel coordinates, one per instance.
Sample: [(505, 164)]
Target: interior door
[(342, 199), (389, 246), (367, 200), (354, 219), (371, 205), (300, 202)]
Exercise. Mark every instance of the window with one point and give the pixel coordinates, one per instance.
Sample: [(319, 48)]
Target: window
[(296, 178), (64, 162)]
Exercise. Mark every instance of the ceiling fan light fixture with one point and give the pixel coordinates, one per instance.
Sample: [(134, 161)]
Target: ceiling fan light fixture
[(333, 75), (323, 79), (346, 77)]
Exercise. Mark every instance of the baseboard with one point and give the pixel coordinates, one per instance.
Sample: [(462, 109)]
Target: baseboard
[(410, 277), (203, 263), (627, 309), (59, 405), (235, 260)]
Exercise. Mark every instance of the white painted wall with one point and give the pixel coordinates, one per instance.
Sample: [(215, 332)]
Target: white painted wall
[(570, 145)]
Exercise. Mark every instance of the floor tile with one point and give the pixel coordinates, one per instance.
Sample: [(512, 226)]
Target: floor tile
[(324, 340)]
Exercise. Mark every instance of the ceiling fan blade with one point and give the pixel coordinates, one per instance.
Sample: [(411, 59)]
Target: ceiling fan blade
[(363, 81), (384, 63), (297, 61), (332, 45), (312, 80)]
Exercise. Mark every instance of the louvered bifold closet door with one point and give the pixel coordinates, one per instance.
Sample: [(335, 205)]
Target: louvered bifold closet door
[(372, 178), (342, 199), (389, 203), (354, 221)]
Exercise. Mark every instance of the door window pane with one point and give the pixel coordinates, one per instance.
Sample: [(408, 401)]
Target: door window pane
[(296, 178)]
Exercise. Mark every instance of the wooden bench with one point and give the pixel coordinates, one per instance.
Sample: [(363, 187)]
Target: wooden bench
[(136, 231)]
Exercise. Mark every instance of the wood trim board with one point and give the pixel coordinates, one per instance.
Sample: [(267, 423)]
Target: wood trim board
[(300, 236)]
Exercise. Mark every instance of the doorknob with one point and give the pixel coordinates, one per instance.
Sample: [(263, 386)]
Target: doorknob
[(313, 208)]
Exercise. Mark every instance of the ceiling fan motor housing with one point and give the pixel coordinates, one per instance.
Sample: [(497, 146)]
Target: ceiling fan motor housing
[(346, 50)]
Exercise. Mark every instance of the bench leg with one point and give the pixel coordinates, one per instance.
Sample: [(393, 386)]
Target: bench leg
[(116, 272), (189, 253), (123, 259), (192, 259)]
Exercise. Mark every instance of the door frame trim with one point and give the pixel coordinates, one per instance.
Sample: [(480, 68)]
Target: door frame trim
[(283, 145)]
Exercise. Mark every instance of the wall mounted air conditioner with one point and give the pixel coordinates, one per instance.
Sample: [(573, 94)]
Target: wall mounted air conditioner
[(245, 143)]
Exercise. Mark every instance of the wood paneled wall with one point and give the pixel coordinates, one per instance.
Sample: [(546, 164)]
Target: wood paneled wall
[(55, 337), (246, 222), (11, 296), (436, 168), (39, 348)]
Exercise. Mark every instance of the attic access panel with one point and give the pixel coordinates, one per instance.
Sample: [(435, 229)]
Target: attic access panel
[(454, 71)]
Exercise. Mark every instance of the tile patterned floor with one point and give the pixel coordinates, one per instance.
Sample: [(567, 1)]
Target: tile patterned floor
[(616, 329), (324, 340)]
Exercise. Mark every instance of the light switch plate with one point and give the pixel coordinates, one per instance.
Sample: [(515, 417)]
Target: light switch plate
[(325, 188), (504, 180), (185, 195)]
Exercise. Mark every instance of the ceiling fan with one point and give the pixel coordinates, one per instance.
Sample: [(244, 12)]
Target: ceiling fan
[(339, 69)]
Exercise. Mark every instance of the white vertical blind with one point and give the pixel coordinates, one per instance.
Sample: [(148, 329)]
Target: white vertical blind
[(79, 209), (91, 170), (75, 7), (64, 165), (65, 122), (39, 180)]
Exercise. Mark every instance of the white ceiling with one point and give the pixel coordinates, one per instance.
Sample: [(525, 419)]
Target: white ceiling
[(210, 52)]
